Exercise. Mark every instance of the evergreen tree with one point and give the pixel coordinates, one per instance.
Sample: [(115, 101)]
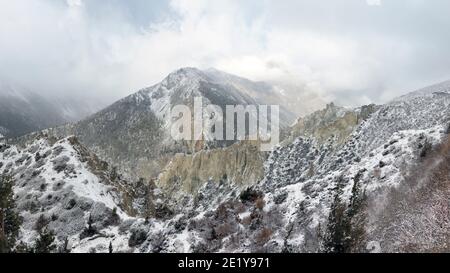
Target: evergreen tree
[(90, 222), (45, 243), (65, 247), (110, 247), (10, 220), (23, 248), (337, 229), (88, 231), (346, 224)]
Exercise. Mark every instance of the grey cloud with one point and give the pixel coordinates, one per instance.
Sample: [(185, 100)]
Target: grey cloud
[(347, 51)]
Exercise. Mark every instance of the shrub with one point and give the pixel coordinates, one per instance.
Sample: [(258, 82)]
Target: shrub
[(89, 231), (260, 203), (223, 230), (250, 195), (45, 242), (138, 236), (41, 223), (263, 236)]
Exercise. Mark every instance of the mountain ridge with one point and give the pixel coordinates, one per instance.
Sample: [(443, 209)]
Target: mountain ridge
[(337, 185)]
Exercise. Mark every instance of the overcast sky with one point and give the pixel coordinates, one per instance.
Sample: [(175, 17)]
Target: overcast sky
[(349, 51)]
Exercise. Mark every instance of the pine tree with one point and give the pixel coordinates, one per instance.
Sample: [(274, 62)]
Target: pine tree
[(90, 222), (22, 247), (45, 242), (346, 223), (337, 229), (10, 220), (110, 247), (90, 230)]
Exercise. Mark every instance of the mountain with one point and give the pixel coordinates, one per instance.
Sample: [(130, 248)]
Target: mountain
[(134, 132), (373, 178), (332, 185), (23, 111), (63, 187), (370, 179)]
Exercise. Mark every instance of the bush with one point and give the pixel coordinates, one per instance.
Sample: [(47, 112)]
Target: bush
[(260, 203), (89, 231), (41, 223), (417, 215), (223, 230), (250, 195), (425, 149), (23, 248), (138, 236), (263, 236)]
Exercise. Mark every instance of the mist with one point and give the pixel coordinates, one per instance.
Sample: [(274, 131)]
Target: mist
[(353, 53)]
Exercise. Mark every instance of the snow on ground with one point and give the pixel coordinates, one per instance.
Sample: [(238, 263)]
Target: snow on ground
[(54, 180)]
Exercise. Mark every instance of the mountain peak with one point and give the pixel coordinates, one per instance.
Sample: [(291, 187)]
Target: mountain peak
[(187, 72)]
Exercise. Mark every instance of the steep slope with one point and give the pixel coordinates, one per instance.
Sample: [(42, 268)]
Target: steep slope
[(262, 92), (25, 112), (372, 179), (61, 186), (135, 131), (241, 163), (319, 181), (334, 195), (333, 121)]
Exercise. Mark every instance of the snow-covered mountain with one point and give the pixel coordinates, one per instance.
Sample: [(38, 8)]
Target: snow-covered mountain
[(25, 112), (370, 179), (134, 132)]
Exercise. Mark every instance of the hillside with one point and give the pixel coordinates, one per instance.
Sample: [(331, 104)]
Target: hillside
[(370, 179)]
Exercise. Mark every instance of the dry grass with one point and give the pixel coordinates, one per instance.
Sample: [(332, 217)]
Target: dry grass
[(260, 203), (263, 236)]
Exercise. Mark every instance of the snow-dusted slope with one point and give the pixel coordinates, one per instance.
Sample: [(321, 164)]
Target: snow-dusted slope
[(380, 154), (326, 195), (369, 179), (58, 183), (25, 112), (134, 132)]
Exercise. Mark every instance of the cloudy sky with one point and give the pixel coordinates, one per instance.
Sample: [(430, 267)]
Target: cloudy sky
[(349, 51)]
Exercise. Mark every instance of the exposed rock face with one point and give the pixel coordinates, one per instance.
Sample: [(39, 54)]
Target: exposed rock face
[(333, 121), (370, 179), (240, 164), (321, 179)]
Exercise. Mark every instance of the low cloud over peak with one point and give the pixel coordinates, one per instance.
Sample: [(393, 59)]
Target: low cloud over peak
[(353, 53)]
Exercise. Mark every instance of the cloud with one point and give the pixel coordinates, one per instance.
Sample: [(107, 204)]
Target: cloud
[(75, 3), (351, 52), (374, 2)]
